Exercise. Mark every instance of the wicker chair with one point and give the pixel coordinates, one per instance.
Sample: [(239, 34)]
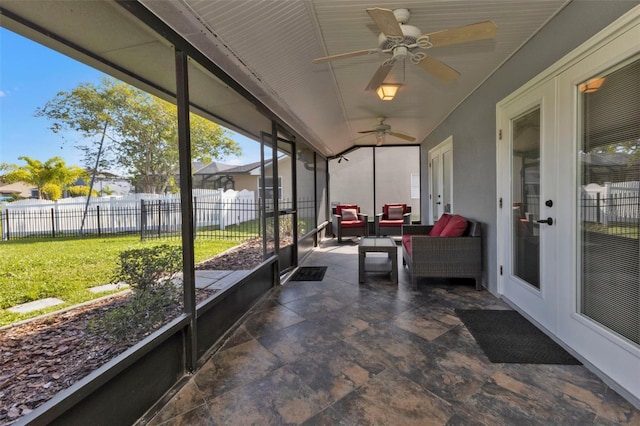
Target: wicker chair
[(349, 228), (443, 257), (385, 224)]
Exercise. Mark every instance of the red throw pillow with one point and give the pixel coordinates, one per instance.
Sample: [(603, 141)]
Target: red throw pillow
[(440, 225), (455, 228)]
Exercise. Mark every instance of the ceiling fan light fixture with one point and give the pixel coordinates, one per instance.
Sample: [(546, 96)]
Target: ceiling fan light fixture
[(387, 91)]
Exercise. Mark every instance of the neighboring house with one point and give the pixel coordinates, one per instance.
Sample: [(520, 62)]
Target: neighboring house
[(223, 176), (208, 175), (107, 183), (19, 190)]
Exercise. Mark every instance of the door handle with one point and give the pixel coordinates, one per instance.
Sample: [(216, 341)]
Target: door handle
[(548, 221)]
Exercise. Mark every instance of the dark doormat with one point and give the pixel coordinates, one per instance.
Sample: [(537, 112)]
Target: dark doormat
[(505, 336), (309, 273)]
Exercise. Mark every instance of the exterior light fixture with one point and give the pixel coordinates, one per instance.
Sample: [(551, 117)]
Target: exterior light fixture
[(592, 85), (387, 92)]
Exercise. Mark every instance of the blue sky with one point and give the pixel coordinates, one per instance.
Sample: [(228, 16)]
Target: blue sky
[(31, 75)]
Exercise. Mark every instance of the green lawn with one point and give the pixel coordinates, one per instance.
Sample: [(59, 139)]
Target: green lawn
[(66, 267)]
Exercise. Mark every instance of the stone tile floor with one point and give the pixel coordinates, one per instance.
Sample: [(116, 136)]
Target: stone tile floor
[(338, 352)]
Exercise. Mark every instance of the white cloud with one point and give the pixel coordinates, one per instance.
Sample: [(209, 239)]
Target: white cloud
[(3, 93)]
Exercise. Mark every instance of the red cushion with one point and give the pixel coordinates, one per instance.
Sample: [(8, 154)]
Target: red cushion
[(440, 225), (385, 208), (455, 228), (391, 222), (406, 242), (339, 208), (351, 223)]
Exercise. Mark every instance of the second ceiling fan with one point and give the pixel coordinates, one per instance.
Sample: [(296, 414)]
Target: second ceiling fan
[(405, 41), (382, 129)]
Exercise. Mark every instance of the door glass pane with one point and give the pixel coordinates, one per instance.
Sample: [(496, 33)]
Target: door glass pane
[(435, 185), (525, 190), (609, 200), (266, 196), (447, 173), (287, 233)]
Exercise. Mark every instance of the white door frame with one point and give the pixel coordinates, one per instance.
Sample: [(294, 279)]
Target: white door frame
[(438, 152), (613, 358)]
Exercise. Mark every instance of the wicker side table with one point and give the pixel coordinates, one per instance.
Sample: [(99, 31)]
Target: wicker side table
[(387, 263)]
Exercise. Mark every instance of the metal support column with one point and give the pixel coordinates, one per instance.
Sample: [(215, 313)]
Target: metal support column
[(186, 205)]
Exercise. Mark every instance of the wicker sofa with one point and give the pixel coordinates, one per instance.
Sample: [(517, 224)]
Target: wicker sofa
[(443, 257)]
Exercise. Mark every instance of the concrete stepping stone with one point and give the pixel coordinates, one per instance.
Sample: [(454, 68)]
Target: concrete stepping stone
[(108, 287), (35, 305)]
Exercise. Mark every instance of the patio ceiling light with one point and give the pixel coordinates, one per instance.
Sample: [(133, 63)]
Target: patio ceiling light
[(592, 85), (387, 92)]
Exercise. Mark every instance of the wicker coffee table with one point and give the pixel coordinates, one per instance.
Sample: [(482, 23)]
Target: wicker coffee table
[(376, 262)]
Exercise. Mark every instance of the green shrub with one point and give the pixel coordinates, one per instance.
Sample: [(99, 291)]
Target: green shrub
[(149, 271), (145, 267), (142, 313), (81, 191), (51, 191), (286, 227)]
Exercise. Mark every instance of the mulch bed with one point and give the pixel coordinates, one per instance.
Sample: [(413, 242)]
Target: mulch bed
[(42, 357)]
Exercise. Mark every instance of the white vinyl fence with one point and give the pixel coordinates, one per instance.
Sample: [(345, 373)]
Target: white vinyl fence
[(121, 214)]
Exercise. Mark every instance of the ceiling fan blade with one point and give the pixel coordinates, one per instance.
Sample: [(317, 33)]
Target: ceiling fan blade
[(363, 136), (477, 31), (403, 136), (368, 131), (377, 79), (439, 69), (345, 55), (386, 21)]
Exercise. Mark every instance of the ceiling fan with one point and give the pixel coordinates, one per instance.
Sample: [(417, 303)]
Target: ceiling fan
[(382, 129), (404, 41)]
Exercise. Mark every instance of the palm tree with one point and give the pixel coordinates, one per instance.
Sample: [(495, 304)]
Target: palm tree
[(52, 173)]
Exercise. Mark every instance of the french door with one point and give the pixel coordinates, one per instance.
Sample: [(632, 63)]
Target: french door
[(527, 171), (568, 201)]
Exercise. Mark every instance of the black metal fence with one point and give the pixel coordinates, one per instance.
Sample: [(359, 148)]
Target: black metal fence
[(234, 219), (238, 219), (54, 223), (621, 208), (617, 214)]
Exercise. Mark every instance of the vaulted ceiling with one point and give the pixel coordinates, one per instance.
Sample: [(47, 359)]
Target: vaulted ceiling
[(268, 47), (273, 44)]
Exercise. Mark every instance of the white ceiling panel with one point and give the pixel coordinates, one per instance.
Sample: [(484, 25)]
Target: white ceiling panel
[(275, 42)]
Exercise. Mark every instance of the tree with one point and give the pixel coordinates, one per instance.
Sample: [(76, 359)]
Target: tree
[(89, 111), (137, 131), (52, 173)]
